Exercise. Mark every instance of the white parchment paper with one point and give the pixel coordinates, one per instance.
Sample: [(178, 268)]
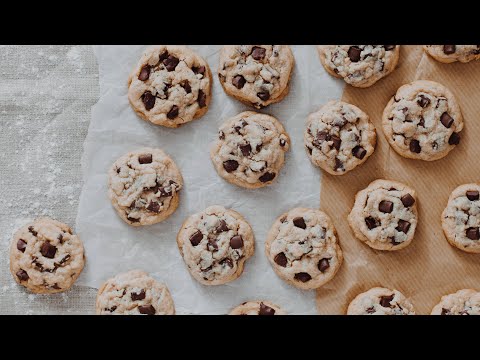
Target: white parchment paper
[(112, 246)]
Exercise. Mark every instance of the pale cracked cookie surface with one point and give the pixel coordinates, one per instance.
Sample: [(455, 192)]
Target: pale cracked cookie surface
[(384, 215), (339, 137), (257, 75), (257, 308), (461, 218), (451, 53), (359, 65), (250, 149), (170, 85), (134, 293), (144, 186), (46, 257), (422, 121), (303, 248), (215, 244), (463, 302), (380, 301)]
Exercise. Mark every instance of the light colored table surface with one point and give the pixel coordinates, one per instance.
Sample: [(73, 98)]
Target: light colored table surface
[(46, 93)]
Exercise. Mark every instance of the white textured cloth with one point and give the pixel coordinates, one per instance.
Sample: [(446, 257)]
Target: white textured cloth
[(46, 93)]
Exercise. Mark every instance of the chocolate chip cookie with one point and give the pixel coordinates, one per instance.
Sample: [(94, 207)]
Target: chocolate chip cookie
[(257, 308), (303, 248), (250, 149), (380, 301), (463, 302), (170, 86), (215, 244), (384, 215), (461, 218), (451, 53), (46, 257), (339, 137), (423, 121), (144, 186), (134, 293), (257, 75), (359, 65)]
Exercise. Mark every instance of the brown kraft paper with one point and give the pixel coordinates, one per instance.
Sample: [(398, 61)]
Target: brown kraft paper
[(429, 267)]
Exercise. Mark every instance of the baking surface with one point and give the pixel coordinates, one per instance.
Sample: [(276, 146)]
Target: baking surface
[(429, 267)]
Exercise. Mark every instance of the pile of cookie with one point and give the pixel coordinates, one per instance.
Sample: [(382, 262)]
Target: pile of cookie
[(171, 85)]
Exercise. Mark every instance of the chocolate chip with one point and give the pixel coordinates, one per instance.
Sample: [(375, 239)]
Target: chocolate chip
[(186, 86), (153, 206), (473, 233), (446, 120), (165, 191), (338, 164), (148, 100), (336, 142), (173, 113), (202, 99), (415, 146), (112, 309), (323, 135), (449, 49), (300, 222), (56, 287), (199, 70), (196, 238), (33, 232), (21, 245), (472, 195), (323, 265), (303, 277), (359, 152), (280, 259), (48, 250), (454, 139), (221, 227), (421, 122), (163, 56), (385, 300), (282, 142), (230, 165), (60, 238), (227, 261), (239, 81), (133, 220), (423, 101), (407, 200), (236, 242), (63, 261), (212, 245), (403, 226), (370, 310), (22, 275), (138, 296), (265, 310), (385, 206), (246, 149), (144, 73), (221, 135), (268, 176), (445, 311), (171, 62), (146, 309), (354, 53), (389, 47), (258, 53), (394, 241), (145, 159), (264, 95), (371, 223)]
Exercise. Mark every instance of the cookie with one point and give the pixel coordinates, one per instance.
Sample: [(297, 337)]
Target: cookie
[(170, 86), (257, 308), (463, 302), (144, 186), (134, 293), (461, 218), (303, 248), (215, 244), (257, 75), (422, 121), (46, 257), (359, 65), (380, 301), (250, 149), (339, 137), (384, 215), (451, 53)]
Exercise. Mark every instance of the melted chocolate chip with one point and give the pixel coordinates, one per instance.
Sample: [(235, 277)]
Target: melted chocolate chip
[(371, 223), (359, 152), (423, 101), (449, 49), (202, 99), (173, 113), (415, 146), (22, 275), (280, 259), (370, 310), (186, 86), (196, 237), (228, 262), (146, 309), (138, 296), (323, 265), (264, 95), (472, 195), (265, 310), (389, 47), (303, 277), (171, 62), (336, 142), (473, 233), (236, 242), (221, 227), (154, 206), (446, 120), (246, 149), (48, 250), (300, 222), (385, 300), (338, 164), (148, 100), (282, 142), (145, 159), (238, 81), (258, 53), (454, 139), (385, 206), (133, 220), (230, 165), (268, 176), (163, 56), (212, 245), (199, 70), (32, 231), (354, 53), (21, 245), (445, 311), (144, 73)]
